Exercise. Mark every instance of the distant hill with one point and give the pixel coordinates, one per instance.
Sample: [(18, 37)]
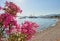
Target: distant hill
[(51, 16), (54, 15)]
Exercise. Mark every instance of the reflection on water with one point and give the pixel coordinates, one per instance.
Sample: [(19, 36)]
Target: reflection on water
[(43, 22)]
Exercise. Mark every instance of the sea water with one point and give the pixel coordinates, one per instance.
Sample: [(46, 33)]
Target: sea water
[(42, 22)]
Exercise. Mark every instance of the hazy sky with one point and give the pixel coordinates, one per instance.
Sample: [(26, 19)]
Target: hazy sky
[(37, 7)]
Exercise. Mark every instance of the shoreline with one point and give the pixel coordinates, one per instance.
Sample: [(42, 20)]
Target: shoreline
[(49, 28), (49, 34)]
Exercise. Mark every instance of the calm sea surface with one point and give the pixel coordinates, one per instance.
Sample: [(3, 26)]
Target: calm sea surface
[(43, 22)]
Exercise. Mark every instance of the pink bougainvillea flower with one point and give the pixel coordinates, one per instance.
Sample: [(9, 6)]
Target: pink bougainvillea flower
[(11, 29), (17, 26), (13, 22), (35, 25), (24, 30), (28, 37), (20, 11), (7, 20), (6, 3), (1, 19), (1, 8), (7, 31), (12, 6)]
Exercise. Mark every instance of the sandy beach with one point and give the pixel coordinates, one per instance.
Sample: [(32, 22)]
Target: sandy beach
[(50, 34)]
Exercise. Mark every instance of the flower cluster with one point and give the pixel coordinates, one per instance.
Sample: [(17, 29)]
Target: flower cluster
[(11, 8), (24, 32), (15, 31), (29, 28), (7, 21)]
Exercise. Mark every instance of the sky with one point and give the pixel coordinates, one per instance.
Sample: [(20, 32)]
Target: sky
[(36, 7)]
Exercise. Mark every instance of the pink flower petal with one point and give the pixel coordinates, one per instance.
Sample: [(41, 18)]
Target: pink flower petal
[(0, 7)]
